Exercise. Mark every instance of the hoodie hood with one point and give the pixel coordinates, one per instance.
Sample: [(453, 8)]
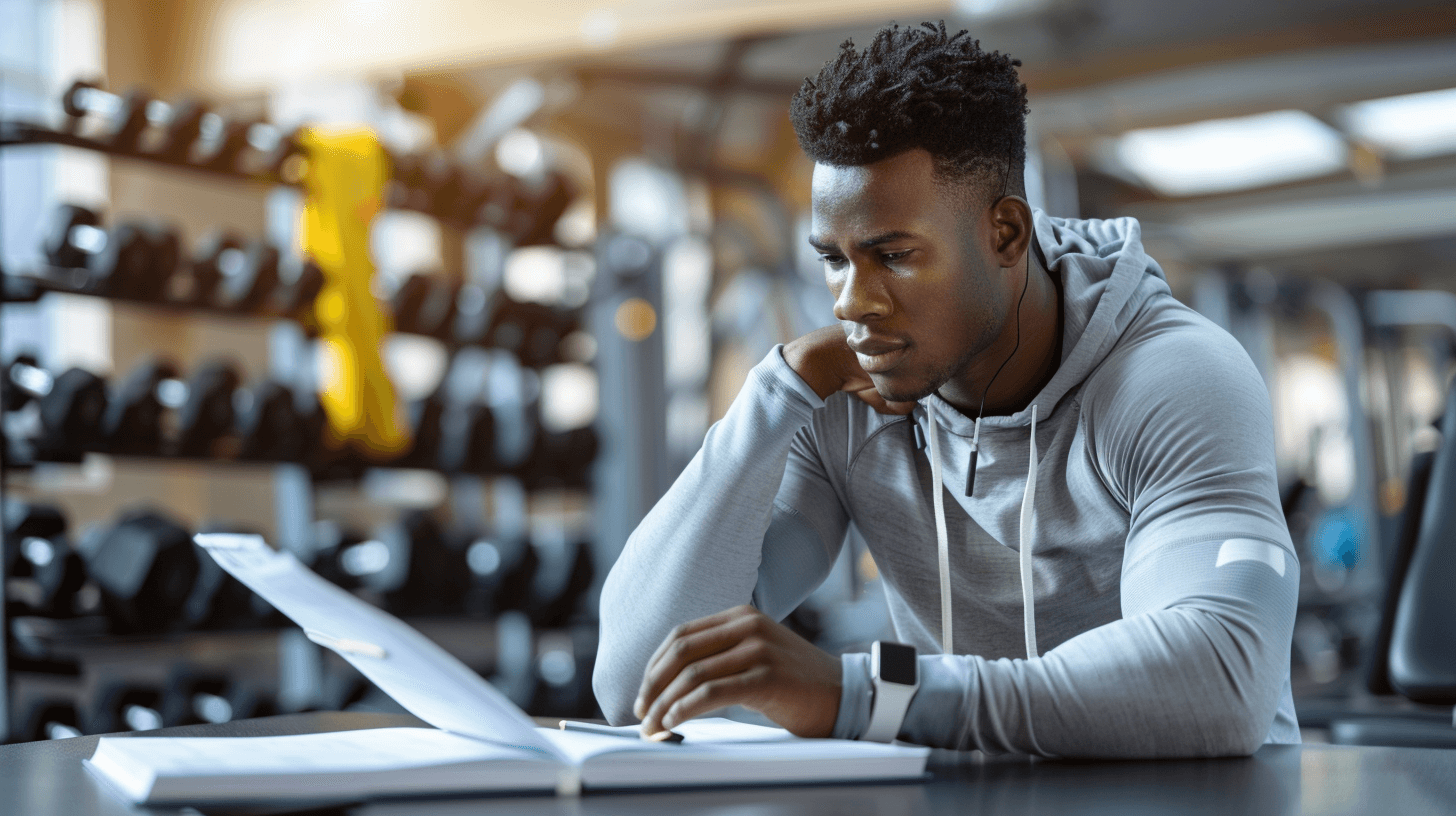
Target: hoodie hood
[(1106, 277)]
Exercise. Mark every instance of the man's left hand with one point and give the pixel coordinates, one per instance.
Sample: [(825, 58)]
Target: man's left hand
[(740, 657)]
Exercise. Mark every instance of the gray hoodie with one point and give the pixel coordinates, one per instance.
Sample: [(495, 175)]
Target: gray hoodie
[(1122, 583)]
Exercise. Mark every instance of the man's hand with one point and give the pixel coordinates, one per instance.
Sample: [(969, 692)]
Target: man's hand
[(827, 363), (740, 657)]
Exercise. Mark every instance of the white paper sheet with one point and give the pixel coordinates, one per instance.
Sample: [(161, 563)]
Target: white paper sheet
[(428, 681)]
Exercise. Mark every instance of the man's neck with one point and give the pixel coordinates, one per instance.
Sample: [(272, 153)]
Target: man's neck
[(1036, 358)]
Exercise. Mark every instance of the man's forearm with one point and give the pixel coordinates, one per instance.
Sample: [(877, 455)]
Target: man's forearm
[(698, 551), (1198, 679)]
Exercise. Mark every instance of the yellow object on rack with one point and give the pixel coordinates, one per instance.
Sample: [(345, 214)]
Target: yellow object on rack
[(344, 191)]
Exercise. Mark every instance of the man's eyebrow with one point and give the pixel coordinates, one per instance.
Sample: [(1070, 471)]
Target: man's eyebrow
[(868, 243)]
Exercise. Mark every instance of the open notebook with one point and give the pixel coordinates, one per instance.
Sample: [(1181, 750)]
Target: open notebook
[(483, 742)]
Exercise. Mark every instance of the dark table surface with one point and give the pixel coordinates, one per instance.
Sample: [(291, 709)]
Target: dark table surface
[(42, 778)]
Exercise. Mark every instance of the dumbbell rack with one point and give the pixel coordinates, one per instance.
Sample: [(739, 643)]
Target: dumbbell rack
[(77, 653), (490, 202)]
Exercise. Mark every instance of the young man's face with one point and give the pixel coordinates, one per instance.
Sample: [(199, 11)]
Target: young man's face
[(910, 263)]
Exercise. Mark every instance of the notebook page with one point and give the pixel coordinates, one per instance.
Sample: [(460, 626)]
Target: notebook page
[(428, 681), (320, 765), (718, 751), (375, 749), (716, 736)]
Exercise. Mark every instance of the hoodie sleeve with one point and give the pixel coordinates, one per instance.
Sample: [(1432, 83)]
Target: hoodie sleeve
[(752, 519), (1198, 664)]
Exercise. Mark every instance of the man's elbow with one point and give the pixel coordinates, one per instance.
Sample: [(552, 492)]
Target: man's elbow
[(615, 694), (1242, 732), (1235, 729)]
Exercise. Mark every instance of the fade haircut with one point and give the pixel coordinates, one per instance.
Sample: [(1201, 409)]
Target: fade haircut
[(919, 88)]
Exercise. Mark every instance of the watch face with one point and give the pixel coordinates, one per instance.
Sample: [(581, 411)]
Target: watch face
[(897, 663)]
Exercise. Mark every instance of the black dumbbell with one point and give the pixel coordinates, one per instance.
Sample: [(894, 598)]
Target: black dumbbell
[(222, 142), (343, 685), (220, 601), (425, 431), (409, 565), (247, 146), (134, 420), (102, 261), (207, 414), (515, 661), (467, 438), (269, 426), (501, 208), (146, 567), (561, 459), (561, 581), (518, 427), (475, 190), (528, 211), (74, 234), (247, 286), (405, 303), (50, 719), (425, 304), (408, 189), (300, 281), (331, 542), (164, 251), (122, 118), (514, 327), (437, 575), (564, 661), (452, 430), (233, 274), (531, 331), (502, 569), (473, 310), (70, 407), (443, 179), (43, 573), (134, 259), (455, 194), (125, 706), (436, 316), (212, 698), (179, 125)]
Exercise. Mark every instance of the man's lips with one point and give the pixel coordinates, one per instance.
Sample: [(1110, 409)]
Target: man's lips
[(877, 358)]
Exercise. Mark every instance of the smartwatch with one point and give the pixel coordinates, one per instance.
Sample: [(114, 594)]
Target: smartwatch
[(896, 678)]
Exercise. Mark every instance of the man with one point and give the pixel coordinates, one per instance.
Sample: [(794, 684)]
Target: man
[(1065, 476)]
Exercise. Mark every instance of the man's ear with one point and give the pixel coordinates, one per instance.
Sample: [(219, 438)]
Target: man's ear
[(1011, 218)]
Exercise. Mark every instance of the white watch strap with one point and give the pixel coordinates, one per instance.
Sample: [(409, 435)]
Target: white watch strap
[(891, 702)]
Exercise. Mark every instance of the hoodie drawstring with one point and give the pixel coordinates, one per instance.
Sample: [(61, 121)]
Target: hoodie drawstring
[(1028, 504), (942, 540)]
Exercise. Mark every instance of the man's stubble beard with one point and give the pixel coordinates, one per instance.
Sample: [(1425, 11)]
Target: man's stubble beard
[(938, 378)]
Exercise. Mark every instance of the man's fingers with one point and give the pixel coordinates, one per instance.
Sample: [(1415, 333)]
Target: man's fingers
[(725, 691), (872, 397), (688, 643), (744, 655), (705, 622)]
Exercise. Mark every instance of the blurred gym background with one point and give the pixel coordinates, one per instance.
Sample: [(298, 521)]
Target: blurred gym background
[(441, 295)]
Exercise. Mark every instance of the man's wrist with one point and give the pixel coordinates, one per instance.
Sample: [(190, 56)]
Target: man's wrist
[(855, 697)]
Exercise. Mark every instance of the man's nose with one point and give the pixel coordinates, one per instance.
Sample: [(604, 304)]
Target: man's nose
[(861, 297)]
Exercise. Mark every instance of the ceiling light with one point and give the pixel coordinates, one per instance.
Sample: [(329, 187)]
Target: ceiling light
[(1231, 154), (1406, 127)]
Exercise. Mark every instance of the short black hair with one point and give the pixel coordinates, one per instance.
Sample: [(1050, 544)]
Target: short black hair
[(918, 87)]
